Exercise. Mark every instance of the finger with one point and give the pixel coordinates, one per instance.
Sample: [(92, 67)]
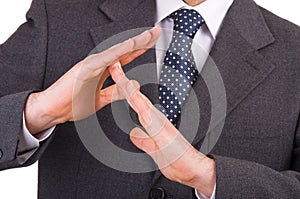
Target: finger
[(103, 77), (112, 54), (147, 39), (139, 50), (111, 94), (151, 118), (116, 72), (123, 60), (128, 89), (131, 56), (155, 32)]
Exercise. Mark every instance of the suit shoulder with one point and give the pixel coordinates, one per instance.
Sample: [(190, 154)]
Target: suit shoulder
[(287, 40), (281, 27)]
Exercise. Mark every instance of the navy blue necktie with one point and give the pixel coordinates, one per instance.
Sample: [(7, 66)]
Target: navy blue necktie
[(179, 72)]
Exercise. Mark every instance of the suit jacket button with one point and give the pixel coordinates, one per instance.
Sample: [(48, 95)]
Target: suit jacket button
[(157, 193), (1, 154)]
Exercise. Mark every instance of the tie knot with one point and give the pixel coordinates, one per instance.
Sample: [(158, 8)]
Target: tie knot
[(187, 21)]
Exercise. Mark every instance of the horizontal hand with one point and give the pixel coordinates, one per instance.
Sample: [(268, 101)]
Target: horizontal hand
[(177, 159), (78, 93)]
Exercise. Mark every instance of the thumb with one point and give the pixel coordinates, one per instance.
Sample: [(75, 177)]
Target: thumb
[(143, 141)]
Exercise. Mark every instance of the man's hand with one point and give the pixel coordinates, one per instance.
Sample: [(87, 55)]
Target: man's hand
[(177, 159), (81, 86)]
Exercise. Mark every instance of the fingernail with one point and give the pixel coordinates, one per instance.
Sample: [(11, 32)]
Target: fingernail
[(118, 67), (118, 64), (157, 27)]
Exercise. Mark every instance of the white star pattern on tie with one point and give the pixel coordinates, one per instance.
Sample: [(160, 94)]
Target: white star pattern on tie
[(179, 72)]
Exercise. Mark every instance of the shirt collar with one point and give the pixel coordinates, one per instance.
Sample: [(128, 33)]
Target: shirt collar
[(212, 11)]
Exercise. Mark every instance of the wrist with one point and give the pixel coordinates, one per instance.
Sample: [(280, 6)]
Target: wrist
[(205, 176), (38, 113)]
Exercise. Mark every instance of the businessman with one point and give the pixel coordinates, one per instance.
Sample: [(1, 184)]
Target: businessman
[(45, 73)]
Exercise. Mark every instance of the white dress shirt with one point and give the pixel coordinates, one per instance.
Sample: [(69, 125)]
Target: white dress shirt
[(212, 11)]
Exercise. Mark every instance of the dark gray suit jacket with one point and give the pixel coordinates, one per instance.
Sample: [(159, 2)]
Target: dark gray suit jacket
[(257, 53)]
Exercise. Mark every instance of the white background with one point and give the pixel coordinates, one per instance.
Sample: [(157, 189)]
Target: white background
[(22, 183)]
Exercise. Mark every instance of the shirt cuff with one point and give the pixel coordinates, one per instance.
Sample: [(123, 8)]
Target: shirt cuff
[(28, 143), (203, 196)]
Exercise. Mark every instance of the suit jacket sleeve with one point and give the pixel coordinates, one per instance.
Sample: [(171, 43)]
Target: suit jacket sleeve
[(244, 179), (22, 64)]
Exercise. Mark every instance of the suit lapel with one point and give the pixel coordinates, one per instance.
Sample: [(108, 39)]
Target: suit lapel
[(236, 55), (123, 15)]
